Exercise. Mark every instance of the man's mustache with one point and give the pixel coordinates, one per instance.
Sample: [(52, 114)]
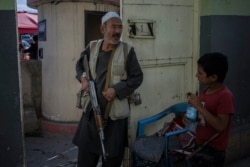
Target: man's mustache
[(116, 35)]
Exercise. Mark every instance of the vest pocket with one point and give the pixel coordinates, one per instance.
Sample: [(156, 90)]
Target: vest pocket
[(118, 68), (119, 109)]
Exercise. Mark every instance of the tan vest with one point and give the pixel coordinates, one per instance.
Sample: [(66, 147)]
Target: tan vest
[(119, 108), (118, 71)]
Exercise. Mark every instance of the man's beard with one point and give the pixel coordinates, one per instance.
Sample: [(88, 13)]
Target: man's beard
[(114, 40)]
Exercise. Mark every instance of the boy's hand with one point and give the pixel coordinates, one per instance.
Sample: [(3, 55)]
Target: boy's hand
[(194, 100), (184, 120)]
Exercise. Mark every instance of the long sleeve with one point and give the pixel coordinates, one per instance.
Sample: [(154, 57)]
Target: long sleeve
[(135, 77), (79, 64)]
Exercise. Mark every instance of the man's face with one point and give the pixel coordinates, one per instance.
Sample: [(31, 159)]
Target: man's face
[(112, 31)]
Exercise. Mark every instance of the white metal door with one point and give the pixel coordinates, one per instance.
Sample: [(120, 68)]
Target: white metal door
[(165, 36)]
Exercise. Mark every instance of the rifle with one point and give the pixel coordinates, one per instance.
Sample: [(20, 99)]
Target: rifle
[(95, 105)]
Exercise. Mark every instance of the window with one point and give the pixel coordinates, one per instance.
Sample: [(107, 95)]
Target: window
[(141, 28), (42, 30)]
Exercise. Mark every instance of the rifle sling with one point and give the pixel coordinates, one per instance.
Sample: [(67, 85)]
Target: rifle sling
[(107, 83), (108, 76)]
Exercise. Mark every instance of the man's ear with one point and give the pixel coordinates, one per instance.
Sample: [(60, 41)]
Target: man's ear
[(102, 29)]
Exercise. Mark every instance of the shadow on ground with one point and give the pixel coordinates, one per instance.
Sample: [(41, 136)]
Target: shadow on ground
[(49, 150)]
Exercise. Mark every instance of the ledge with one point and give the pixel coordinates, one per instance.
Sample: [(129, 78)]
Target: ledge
[(58, 127), (36, 3)]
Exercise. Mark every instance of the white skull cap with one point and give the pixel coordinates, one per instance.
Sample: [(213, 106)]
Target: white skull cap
[(108, 16)]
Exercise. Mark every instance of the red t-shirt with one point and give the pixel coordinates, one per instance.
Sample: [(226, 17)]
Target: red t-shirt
[(219, 102)]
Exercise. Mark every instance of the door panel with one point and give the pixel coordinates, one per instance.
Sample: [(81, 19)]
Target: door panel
[(165, 37)]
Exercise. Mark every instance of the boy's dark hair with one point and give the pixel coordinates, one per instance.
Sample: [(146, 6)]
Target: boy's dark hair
[(214, 64)]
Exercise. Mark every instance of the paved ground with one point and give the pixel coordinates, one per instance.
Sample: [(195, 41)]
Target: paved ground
[(245, 162), (50, 151), (58, 151)]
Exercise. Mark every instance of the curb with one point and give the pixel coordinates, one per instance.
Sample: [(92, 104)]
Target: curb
[(58, 127)]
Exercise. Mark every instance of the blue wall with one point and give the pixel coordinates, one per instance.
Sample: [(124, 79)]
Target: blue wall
[(225, 27)]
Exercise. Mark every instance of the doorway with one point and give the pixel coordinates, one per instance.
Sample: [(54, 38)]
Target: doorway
[(92, 25)]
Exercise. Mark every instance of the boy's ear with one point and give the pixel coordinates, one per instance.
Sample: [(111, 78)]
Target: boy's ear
[(214, 77)]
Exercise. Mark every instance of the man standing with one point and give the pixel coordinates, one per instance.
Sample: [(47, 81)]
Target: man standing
[(33, 49), (125, 76)]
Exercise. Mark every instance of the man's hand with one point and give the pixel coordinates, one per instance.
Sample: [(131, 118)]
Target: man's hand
[(109, 94), (85, 85)]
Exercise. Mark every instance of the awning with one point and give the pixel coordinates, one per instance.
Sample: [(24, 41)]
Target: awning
[(27, 23)]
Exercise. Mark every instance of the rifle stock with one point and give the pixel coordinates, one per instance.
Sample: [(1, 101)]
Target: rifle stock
[(201, 147), (98, 114)]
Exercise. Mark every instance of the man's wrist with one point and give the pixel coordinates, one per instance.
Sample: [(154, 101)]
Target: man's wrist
[(84, 74)]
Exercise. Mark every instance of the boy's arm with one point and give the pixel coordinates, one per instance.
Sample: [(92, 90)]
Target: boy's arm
[(219, 121)]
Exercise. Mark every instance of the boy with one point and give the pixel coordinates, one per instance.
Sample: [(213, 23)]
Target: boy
[(215, 105)]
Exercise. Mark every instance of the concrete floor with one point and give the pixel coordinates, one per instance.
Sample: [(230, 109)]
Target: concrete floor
[(245, 162), (52, 150)]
